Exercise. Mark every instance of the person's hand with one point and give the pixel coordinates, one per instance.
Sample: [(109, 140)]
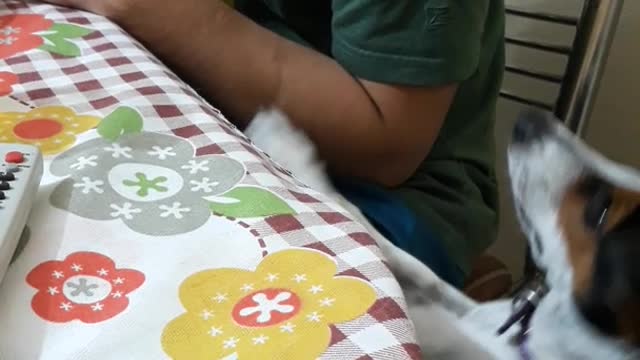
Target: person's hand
[(138, 14)]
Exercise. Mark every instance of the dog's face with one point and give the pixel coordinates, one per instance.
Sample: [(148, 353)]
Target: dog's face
[(581, 214)]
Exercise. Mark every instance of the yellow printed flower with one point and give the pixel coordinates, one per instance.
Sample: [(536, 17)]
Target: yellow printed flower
[(53, 129), (282, 310)]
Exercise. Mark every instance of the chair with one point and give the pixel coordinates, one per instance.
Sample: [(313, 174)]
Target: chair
[(587, 55)]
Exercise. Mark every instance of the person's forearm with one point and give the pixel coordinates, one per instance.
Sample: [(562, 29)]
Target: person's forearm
[(244, 67)]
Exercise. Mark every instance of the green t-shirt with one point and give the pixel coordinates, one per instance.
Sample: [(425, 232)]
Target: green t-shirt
[(422, 43)]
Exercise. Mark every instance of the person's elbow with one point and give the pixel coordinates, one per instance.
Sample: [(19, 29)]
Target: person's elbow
[(393, 156), (389, 149), (395, 167), (412, 118)]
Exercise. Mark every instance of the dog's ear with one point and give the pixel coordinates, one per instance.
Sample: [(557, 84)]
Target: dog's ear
[(612, 302)]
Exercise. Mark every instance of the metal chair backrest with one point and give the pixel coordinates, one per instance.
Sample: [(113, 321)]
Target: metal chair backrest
[(586, 59), (595, 28)]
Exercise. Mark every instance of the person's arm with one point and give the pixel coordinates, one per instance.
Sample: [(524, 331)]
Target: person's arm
[(363, 129)]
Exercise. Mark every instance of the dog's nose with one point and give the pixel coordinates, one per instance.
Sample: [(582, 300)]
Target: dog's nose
[(531, 125)]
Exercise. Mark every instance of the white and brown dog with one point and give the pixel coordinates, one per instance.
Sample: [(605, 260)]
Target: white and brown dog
[(581, 214)]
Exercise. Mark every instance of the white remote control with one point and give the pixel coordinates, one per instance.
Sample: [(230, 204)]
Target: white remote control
[(20, 173)]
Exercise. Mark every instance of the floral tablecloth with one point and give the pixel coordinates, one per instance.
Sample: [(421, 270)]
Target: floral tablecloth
[(159, 231)]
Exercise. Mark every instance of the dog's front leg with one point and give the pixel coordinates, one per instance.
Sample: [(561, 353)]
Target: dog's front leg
[(416, 279), (290, 147), (423, 285)]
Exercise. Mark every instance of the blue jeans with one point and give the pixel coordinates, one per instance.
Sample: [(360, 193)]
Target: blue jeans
[(393, 219)]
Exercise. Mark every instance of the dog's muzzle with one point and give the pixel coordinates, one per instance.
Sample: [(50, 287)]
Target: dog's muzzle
[(531, 125)]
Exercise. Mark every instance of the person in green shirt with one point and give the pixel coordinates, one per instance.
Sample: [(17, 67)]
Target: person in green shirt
[(398, 96)]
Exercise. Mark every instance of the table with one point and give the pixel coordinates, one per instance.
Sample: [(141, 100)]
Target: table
[(159, 230)]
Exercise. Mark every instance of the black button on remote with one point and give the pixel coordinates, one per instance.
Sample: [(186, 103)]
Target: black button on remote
[(7, 176), (4, 186), (2, 197)]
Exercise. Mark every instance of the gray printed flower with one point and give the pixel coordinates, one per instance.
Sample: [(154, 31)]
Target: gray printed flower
[(152, 182)]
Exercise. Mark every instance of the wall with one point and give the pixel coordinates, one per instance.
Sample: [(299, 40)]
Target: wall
[(615, 128), (615, 125)]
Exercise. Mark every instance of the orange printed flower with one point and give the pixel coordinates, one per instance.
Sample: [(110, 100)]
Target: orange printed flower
[(85, 286), (17, 33), (282, 310), (7, 80), (53, 129)]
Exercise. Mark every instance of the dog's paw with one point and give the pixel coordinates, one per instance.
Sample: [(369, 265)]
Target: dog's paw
[(272, 132)]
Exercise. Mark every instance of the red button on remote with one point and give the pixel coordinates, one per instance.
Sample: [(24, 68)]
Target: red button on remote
[(14, 157)]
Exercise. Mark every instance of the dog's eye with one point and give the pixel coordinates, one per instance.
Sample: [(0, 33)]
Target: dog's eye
[(590, 185), (595, 213)]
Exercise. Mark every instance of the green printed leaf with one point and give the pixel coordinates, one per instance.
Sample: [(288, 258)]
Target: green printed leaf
[(56, 39), (60, 46), (124, 120), (69, 31), (249, 202)]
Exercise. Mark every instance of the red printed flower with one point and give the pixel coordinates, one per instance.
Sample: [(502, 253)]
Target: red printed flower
[(17, 33), (85, 286), (7, 80)]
